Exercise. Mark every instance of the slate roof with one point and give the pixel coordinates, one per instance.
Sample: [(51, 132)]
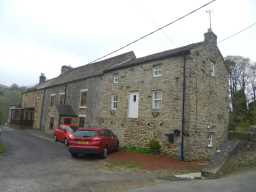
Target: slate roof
[(85, 71), (121, 61), (165, 54)]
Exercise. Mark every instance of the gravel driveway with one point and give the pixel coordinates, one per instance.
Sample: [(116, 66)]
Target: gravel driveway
[(33, 164)]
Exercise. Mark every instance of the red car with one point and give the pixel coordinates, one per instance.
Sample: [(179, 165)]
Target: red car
[(93, 141), (63, 134)]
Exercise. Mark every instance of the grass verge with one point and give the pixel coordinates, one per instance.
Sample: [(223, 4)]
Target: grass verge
[(2, 149)]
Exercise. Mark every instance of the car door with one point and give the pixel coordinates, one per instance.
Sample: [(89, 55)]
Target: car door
[(62, 133), (57, 133)]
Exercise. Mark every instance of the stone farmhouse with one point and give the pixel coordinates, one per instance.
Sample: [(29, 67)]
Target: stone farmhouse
[(178, 97)]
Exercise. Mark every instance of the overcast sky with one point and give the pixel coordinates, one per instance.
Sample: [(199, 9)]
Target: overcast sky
[(42, 35)]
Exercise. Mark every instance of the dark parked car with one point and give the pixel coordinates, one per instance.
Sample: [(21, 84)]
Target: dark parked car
[(99, 141), (63, 134)]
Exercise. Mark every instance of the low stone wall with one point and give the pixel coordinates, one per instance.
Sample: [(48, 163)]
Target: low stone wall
[(244, 157), (220, 158)]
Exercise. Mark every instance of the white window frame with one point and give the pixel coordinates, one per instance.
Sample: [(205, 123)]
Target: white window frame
[(210, 140), (82, 91), (61, 94), (154, 100), (81, 116), (115, 78), (54, 101), (114, 102), (156, 70), (213, 70)]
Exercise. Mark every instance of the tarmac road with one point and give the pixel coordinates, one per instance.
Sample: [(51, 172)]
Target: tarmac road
[(33, 164)]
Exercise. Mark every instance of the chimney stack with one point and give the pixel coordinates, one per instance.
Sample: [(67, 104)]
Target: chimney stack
[(65, 68), (42, 78), (210, 38)]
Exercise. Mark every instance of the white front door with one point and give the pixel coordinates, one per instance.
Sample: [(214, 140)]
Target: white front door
[(133, 102)]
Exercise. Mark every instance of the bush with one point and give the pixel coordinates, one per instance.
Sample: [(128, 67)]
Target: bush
[(154, 146)]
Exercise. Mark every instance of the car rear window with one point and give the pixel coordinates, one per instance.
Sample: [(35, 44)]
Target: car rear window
[(85, 133)]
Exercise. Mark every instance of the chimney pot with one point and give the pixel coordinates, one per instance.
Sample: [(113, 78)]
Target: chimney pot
[(42, 78), (65, 68)]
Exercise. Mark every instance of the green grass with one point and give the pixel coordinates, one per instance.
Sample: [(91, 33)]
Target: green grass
[(138, 149), (2, 148)]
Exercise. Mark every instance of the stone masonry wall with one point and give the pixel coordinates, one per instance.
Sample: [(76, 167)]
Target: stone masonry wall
[(148, 125), (49, 111), (91, 111), (34, 100), (206, 102)]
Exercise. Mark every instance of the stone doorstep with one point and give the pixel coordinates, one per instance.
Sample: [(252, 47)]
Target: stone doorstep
[(193, 175)]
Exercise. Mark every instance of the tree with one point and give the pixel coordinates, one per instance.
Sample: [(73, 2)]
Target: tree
[(239, 68)]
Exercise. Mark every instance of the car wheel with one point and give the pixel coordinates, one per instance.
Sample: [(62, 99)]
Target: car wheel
[(74, 155), (55, 138), (117, 147), (66, 142), (104, 153)]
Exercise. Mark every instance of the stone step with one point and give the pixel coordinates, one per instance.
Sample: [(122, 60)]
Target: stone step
[(220, 157)]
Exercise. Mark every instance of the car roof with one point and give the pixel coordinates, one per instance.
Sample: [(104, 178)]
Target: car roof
[(92, 129)]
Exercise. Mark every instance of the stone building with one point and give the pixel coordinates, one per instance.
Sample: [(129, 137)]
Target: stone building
[(178, 97)]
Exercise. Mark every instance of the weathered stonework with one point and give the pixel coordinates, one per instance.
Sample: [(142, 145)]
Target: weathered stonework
[(148, 125), (204, 94)]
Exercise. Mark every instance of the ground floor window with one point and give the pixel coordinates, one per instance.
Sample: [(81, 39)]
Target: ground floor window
[(51, 125), (67, 121), (114, 101), (81, 121), (156, 100)]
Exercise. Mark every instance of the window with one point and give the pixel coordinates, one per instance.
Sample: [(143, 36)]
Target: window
[(81, 122), (67, 121), (62, 98), (51, 125), (156, 100), (114, 101), (83, 97), (115, 79), (210, 140), (212, 67), (52, 99), (108, 133), (157, 71)]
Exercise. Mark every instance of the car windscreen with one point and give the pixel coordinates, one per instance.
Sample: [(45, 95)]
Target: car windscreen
[(69, 129), (85, 133)]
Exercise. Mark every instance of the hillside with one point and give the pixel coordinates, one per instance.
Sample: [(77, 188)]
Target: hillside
[(8, 96)]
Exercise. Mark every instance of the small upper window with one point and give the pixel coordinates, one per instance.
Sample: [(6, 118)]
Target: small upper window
[(212, 68), (157, 71), (62, 98), (52, 99), (83, 98), (114, 101), (115, 79), (156, 100)]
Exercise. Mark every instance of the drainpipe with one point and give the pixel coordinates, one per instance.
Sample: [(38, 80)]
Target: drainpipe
[(183, 110), (65, 92)]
